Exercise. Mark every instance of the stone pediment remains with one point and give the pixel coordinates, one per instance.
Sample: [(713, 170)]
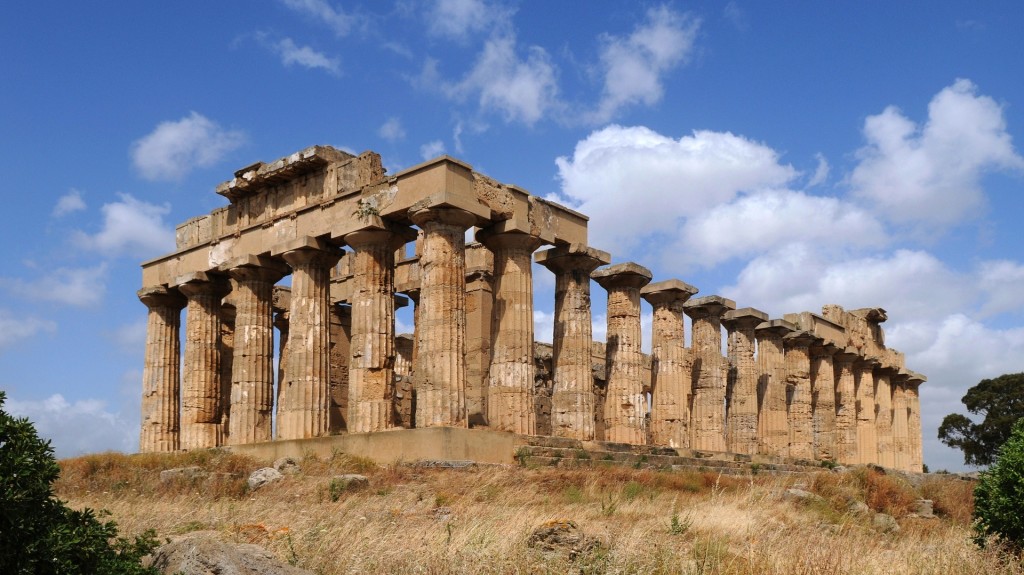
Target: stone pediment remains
[(359, 243)]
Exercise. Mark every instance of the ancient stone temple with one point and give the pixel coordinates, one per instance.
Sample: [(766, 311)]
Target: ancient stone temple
[(356, 244)]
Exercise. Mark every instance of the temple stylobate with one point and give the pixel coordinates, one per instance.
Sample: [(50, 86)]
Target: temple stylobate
[(357, 244)]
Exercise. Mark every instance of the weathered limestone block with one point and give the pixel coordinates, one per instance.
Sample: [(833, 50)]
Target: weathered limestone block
[(281, 304), (573, 400), (161, 378), (823, 400), (846, 406), (741, 417), (543, 387), (798, 380), (884, 417), (773, 424), (914, 421), (867, 436), (479, 324), (711, 370), (340, 358), (201, 410), (900, 420), (227, 356), (511, 379), (440, 369), (305, 395), (671, 367), (625, 404), (252, 366)]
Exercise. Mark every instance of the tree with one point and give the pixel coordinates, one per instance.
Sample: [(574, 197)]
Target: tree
[(999, 495), (1000, 402), (39, 534)]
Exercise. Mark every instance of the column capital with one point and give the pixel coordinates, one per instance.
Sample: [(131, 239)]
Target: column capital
[(495, 240), (307, 250), (202, 283), (743, 318), (255, 268), (375, 230), (160, 296), (866, 363), (823, 348), (624, 275), (846, 354), (443, 215), (572, 257), (708, 306), (775, 327), (668, 293), (798, 339)]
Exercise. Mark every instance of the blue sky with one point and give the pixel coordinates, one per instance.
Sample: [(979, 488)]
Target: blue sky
[(786, 155)]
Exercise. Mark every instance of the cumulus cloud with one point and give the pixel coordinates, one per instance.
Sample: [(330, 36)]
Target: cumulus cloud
[(305, 56), (820, 173), (1001, 281), (79, 287), (432, 149), (131, 227), (68, 203), (173, 148), (457, 19), (15, 329), (84, 426), (392, 130), (636, 184), (340, 22), (930, 175), (633, 66)]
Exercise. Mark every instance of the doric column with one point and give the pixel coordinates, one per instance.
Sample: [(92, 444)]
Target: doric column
[(440, 370), (913, 396), (711, 370), (340, 359), (305, 401), (823, 400), (625, 405), (371, 379), (846, 406), (741, 418), (252, 365), (883, 417), (900, 435), (798, 381), (511, 374), (201, 398), (227, 356), (671, 368), (867, 437), (282, 302), (572, 401), (773, 424), (161, 380)]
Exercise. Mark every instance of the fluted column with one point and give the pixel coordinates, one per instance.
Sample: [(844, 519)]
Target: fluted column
[(798, 380), (914, 422), (252, 366), (510, 378), (900, 436), (440, 370), (671, 367), (741, 417), (572, 401), (711, 370), (867, 436), (846, 406), (823, 400), (201, 397), (161, 378), (306, 400), (625, 406), (281, 323), (883, 417), (773, 424)]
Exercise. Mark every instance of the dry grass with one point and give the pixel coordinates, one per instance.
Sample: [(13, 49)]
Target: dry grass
[(478, 520)]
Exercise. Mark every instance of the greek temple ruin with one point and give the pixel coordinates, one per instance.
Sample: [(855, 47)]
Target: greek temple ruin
[(359, 244)]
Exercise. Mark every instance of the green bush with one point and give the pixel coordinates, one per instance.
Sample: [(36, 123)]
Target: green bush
[(39, 534), (999, 496)]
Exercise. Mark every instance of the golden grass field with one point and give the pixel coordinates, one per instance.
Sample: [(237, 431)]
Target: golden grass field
[(479, 519)]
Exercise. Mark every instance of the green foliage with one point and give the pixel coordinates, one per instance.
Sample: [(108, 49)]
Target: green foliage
[(999, 495), (1000, 402), (38, 533)]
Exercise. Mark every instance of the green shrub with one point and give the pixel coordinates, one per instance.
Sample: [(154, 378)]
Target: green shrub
[(999, 496)]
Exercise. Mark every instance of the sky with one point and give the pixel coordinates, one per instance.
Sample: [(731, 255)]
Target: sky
[(785, 155)]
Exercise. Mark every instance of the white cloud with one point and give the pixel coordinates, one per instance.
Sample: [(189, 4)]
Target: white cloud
[(16, 329), (633, 66), (131, 337), (636, 184), (68, 203), (820, 173), (432, 149), (338, 21), (171, 150), (132, 227), (85, 426), (392, 130), (1001, 281), (79, 287), (305, 56), (931, 174), (458, 19)]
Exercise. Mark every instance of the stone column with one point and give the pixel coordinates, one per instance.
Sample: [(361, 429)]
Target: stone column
[(883, 417), (823, 400), (798, 380), (201, 399), (340, 360), (900, 436), (671, 367), (625, 405), (440, 370), (252, 369), (846, 406), (741, 418), (306, 400), (773, 423), (914, 422), (161, 378), (281, 323), (867, 436), (711, 370), (572, 401), (371, 379), (510, 379)]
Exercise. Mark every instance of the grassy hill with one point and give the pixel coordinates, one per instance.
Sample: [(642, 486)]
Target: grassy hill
[(480, 519)]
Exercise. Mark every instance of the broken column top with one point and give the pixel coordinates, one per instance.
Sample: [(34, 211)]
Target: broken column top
[(628, 274), (557, 255), (708, 305), (667, 291)]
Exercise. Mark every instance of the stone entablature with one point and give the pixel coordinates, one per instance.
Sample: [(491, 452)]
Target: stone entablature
[(358, 244)]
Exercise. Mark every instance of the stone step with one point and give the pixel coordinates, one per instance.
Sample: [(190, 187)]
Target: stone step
[(579, 457)]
